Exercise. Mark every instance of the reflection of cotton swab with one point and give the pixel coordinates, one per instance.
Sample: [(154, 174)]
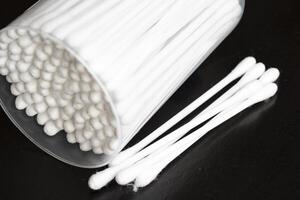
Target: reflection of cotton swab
[(151, 172), (241, 69)]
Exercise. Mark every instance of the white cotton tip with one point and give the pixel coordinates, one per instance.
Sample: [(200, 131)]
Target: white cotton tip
[(114, 144), (84, 96), (69, 110), (14, 48), (254, 73), (95, 97), (102, 178), (26, 77), (243, 66), (4, 71), (14, 77), (127, 175), (22, 66), (40, 107), (265, 93), (44, 92), (3, 61), (51, 101), (50, 128), (88, 134), (107, 150), (59, 123), (62, 102), (79, 125), (98, 150), (24, 41), (75, 76), (12, 34), (75, 87), (95, 142), (86, 77), (47, 76), (20, 103), (93, 111), (54, 113), (8, 79), (79, 136), (69, 126), (21, 87), (71, 138), (42, 118), (30, 111), (35, 72), (85, 114), (48, 49), (270, 76), (41, 55), (100, 135), (85, 87), (27, 98), (86, 146), (14, 90), (11, 66), (44, 84), (109, 132), (148, 175), (78, 117), (96, 124), (50, 67), (31, 86), (37, 98)]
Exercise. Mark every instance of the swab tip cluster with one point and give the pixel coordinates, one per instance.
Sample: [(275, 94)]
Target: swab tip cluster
[(51, 84)]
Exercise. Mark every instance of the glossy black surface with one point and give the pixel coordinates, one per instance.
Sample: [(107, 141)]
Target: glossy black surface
[(253, 156)]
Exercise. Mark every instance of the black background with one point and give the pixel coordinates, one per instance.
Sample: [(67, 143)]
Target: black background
[(253, 156)]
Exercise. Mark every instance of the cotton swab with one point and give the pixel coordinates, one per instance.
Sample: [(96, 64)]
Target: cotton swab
[(241, 69), (127, 175), (151, 172), (268, 77)]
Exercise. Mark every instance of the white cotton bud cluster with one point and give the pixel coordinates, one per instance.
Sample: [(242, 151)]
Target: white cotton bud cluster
[(53, 86)]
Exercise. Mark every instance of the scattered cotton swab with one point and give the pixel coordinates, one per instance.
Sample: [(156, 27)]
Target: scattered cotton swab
[(150, 173)]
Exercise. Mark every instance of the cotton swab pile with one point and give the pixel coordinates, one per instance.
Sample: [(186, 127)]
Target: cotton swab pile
[(142, 162), (98, 70)]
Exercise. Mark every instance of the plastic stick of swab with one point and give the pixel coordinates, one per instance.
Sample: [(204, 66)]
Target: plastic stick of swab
[(168, 52), (128, 174), (151, 172), (271, 75), (128, 64), (183, 31), (148, 94), (241, 69), (119, 25)]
